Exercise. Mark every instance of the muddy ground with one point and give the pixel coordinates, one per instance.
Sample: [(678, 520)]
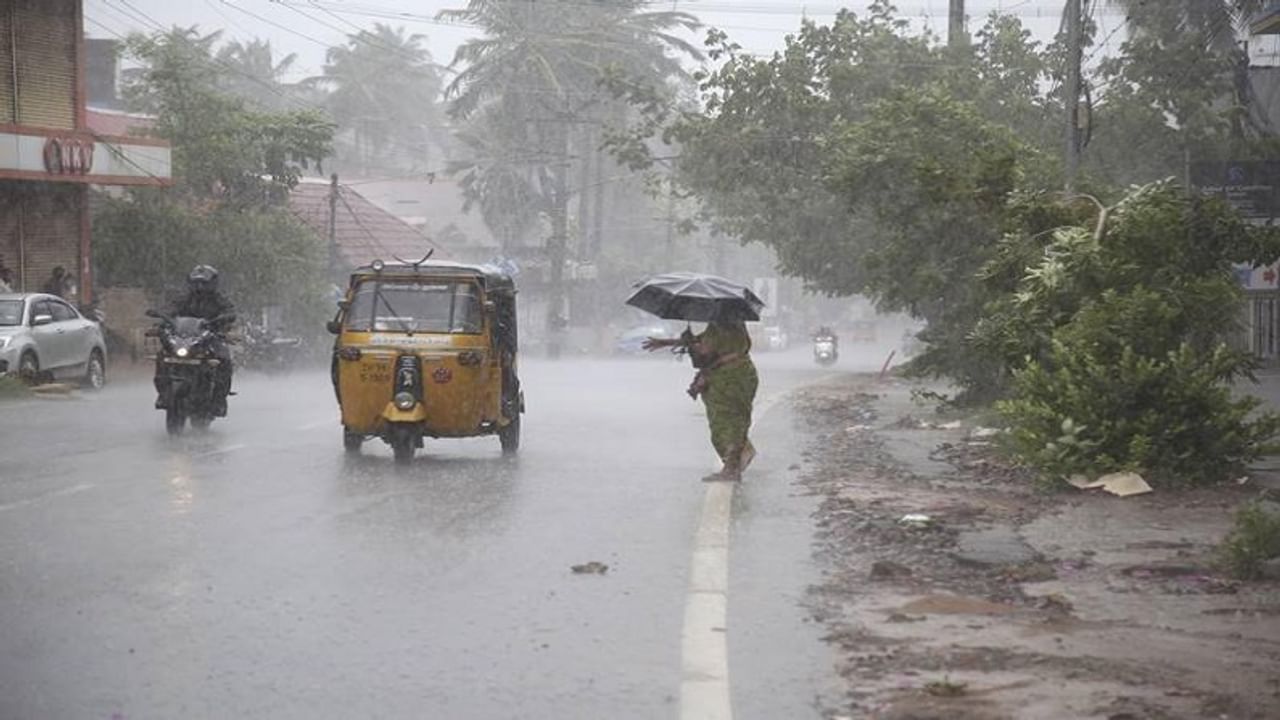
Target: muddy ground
[(1010, 601)]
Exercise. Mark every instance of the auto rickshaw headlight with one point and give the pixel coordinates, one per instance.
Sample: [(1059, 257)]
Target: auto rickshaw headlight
[(405, 401), (377, 265), (182, 352)]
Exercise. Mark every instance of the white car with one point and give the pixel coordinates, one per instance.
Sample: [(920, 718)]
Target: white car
[(775, 338), (42, 335)]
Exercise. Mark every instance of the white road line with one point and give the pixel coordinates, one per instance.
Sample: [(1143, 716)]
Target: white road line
[(220, 451), (704, 640), (48, 496)]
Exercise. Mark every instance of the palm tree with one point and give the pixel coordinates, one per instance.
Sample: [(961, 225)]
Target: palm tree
[(500, 177), (253, 73), (384, 89), (541, 69)]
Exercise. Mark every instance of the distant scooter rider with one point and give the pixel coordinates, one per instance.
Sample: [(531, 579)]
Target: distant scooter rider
[(204, 301), (826, 333)]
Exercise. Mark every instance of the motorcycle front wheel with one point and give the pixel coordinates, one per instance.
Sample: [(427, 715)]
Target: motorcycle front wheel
[(174, 421)]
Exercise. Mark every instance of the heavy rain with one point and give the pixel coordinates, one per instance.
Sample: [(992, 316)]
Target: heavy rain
[(694, 359)]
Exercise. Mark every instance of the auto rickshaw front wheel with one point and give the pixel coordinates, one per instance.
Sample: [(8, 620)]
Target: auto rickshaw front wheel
[(509, 436), (403, 442)]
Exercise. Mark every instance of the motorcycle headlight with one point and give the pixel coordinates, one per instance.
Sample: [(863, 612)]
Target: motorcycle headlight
[(405, 401), (182, 352)]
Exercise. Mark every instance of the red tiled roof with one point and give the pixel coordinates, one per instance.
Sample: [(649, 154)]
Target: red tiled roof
[(113, 122), (363, 231)]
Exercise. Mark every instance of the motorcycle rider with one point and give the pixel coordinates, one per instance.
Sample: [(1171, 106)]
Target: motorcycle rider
[(826, 333), (203, 300)]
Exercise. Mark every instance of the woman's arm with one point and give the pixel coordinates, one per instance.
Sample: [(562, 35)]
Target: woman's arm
[(652, 343)]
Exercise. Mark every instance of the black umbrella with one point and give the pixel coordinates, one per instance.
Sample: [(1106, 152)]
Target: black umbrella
[(696, 297)]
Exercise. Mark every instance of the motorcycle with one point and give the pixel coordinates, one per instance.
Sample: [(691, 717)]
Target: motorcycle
[(187, 367), (824, 351), (268, 351)]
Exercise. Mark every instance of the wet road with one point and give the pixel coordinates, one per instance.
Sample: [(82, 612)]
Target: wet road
[(255, 571)]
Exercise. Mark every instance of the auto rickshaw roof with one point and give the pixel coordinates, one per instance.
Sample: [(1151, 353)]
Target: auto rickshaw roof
[(492, 277)]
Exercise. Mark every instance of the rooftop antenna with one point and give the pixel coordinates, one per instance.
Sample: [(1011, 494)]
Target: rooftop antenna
[(415, 265)]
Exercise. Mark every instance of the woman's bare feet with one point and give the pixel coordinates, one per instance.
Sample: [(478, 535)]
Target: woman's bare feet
[(725, 475)]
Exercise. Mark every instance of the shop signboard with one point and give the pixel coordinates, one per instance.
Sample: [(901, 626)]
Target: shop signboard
[(1250, 186), (1265, 277)]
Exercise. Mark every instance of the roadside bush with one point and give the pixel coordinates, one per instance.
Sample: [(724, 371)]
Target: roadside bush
[(1171, 418), (1114, 339), (12, 387), (1254, 540)]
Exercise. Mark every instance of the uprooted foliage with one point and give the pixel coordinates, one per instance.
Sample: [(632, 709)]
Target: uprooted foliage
[(1115, 342), (1253, 540)]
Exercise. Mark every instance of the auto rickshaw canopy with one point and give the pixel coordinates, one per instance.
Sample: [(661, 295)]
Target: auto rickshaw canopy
[(492, 278)]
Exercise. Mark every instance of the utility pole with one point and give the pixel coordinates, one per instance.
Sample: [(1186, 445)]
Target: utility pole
[(1072, 97), (333, 226), (956, 35)]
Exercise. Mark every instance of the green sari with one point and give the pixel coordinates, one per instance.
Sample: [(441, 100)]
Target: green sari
[(730, 389)]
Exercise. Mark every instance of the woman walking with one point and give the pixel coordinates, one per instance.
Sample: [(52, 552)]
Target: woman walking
[(727, 382)]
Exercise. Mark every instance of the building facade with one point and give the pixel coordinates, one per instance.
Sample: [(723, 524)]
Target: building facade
[(49, 155)]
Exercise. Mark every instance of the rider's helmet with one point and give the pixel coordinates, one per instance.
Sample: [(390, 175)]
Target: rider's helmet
[(203, 278)]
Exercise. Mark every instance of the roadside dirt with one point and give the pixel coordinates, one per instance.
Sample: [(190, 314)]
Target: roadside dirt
[(1012, 602)]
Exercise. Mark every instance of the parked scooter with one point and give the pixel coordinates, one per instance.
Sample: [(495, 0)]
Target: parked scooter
[(188, 370), (268, 351)]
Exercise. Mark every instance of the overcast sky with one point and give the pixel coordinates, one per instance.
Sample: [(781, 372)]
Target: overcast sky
[(307, 27)]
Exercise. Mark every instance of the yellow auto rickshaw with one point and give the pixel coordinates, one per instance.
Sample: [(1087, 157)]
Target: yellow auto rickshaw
[(427, 349)]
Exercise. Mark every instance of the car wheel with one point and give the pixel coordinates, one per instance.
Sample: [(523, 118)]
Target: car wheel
[(29, 368), (95, 373)]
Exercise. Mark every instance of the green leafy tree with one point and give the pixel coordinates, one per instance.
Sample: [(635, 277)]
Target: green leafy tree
[(870, 159), (1177, 92), (233, 168), (221, 149), (758, 152)]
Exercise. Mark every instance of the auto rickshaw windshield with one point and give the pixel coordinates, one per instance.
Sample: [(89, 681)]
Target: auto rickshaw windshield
[(416, 306)]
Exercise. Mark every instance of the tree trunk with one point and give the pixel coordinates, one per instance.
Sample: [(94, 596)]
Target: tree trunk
[(597, 212), (585, 140), (557, 245)]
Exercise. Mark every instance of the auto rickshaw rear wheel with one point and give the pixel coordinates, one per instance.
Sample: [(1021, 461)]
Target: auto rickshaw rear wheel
[(509, 436)]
